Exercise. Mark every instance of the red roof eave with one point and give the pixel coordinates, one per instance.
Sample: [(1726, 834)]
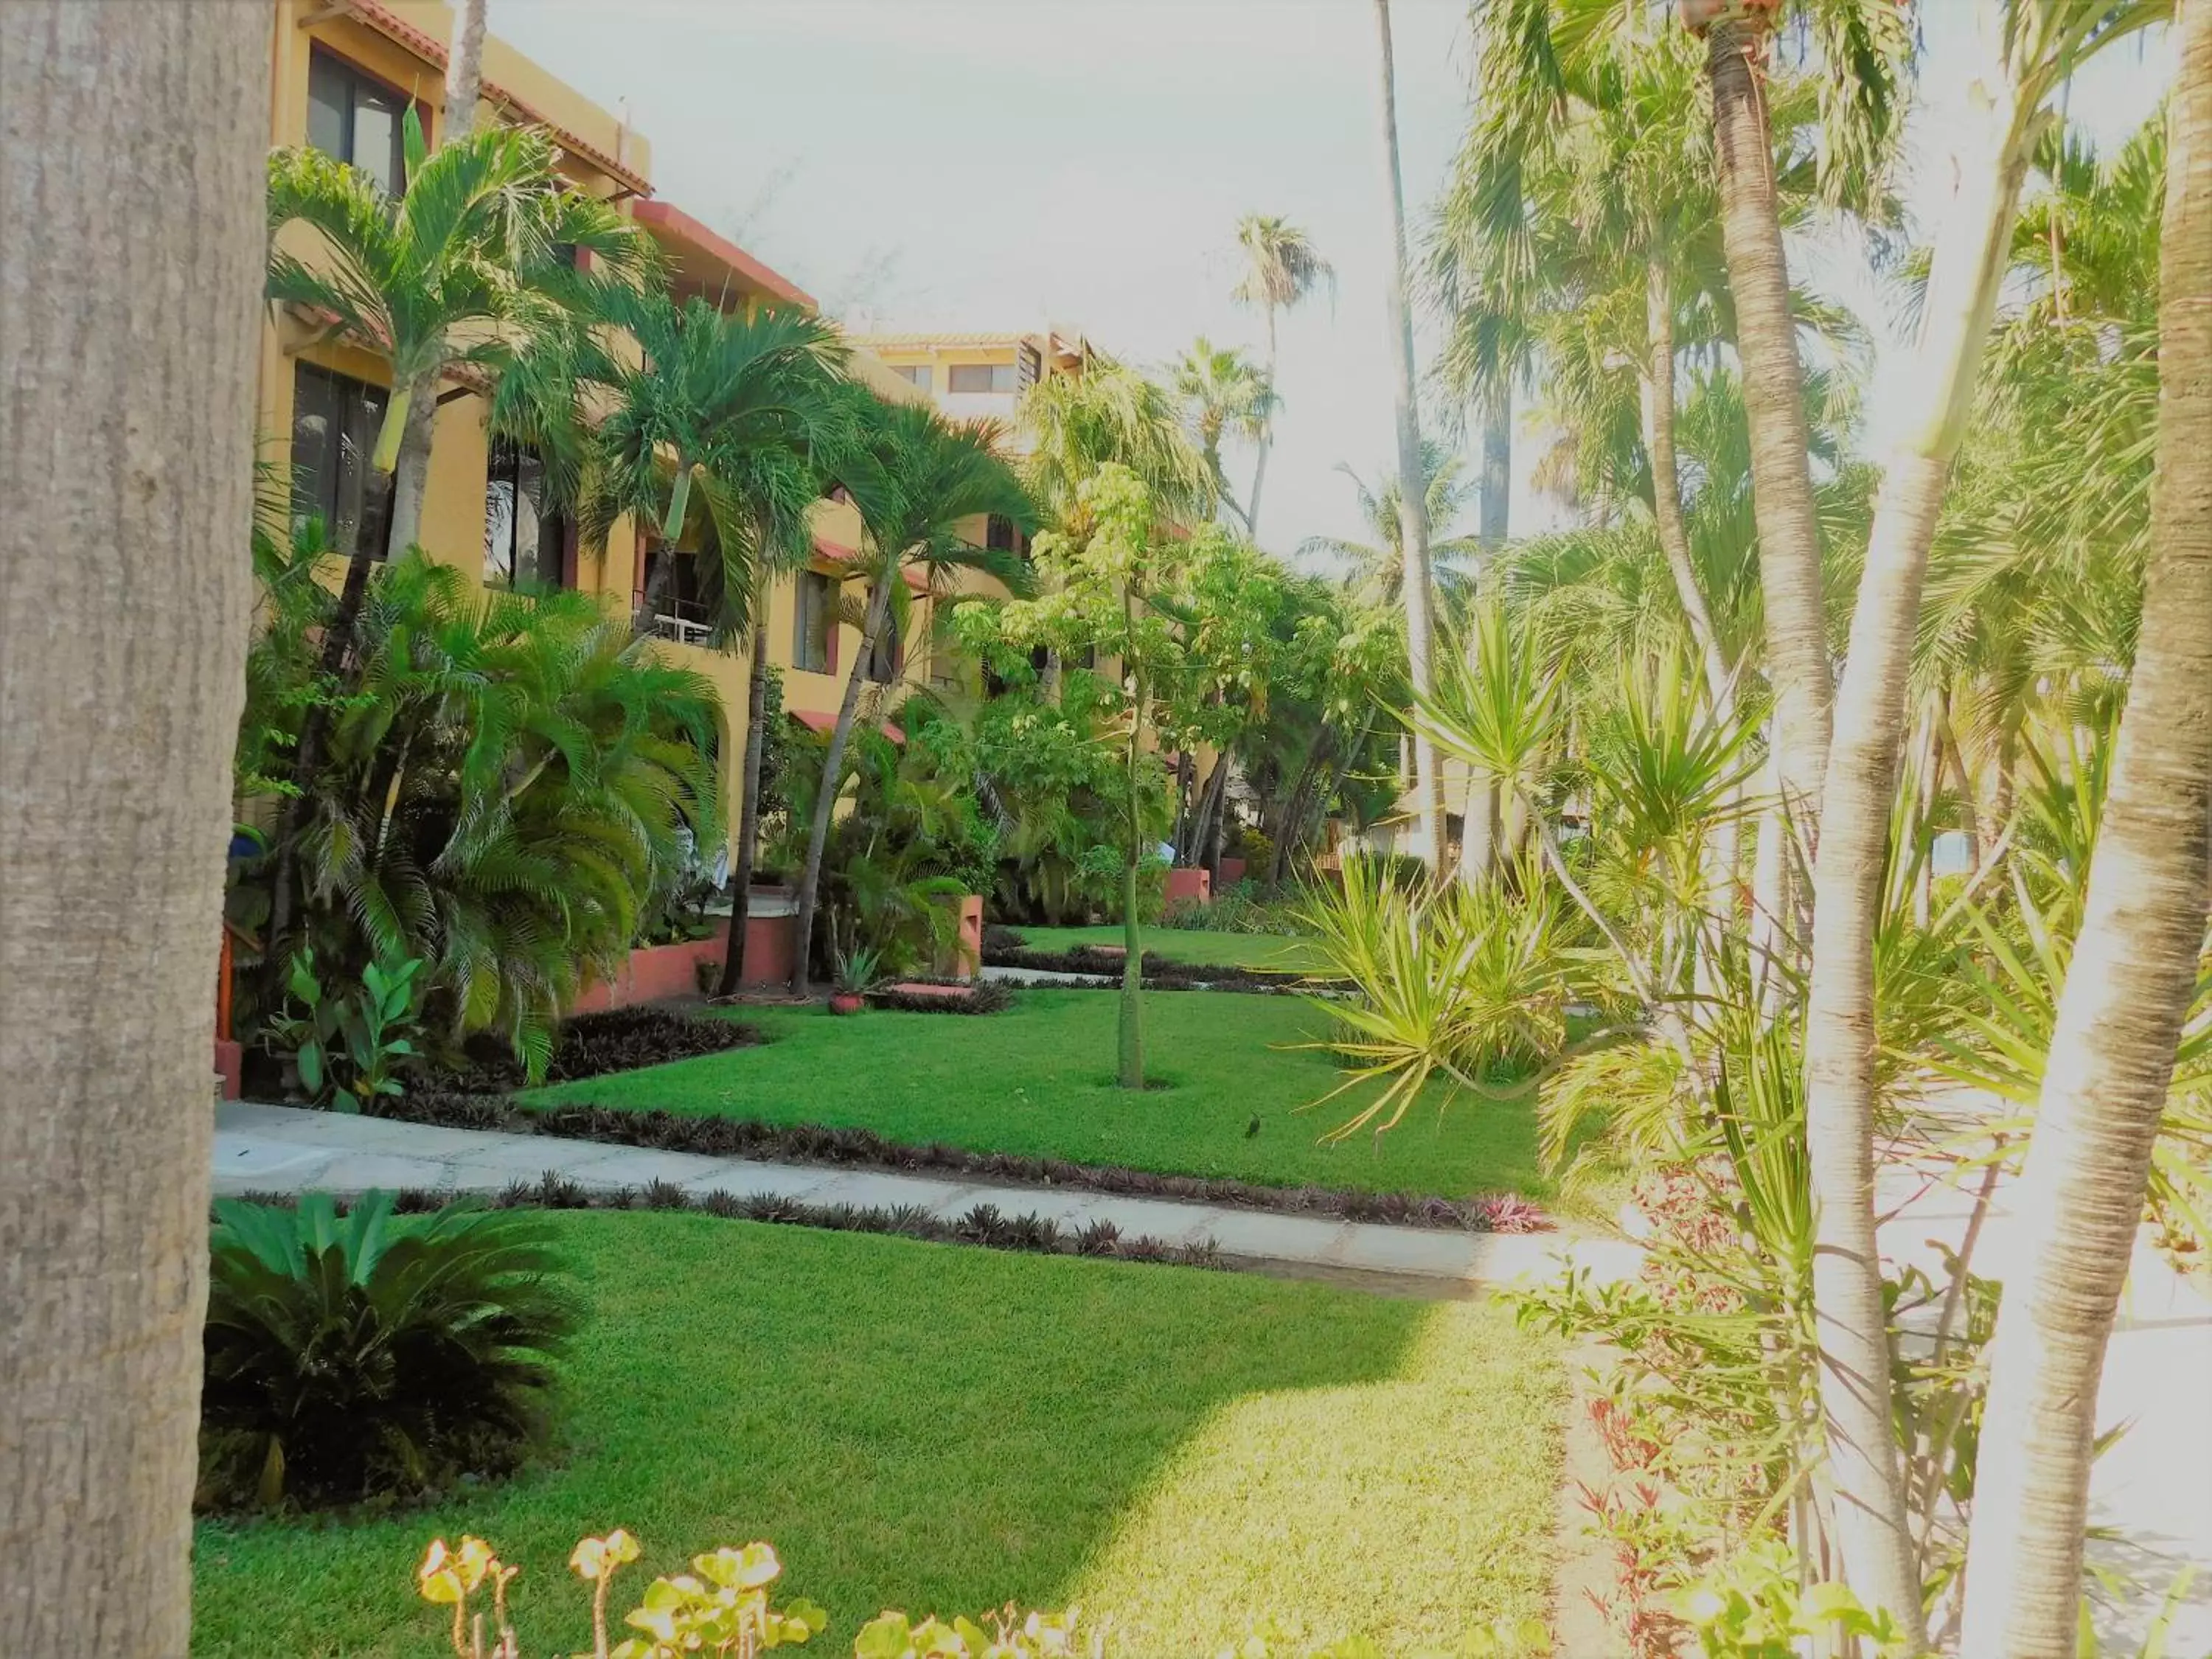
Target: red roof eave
[(817, 720), (681, 225)]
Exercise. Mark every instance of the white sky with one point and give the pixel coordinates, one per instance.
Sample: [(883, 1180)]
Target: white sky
[(998, 164)]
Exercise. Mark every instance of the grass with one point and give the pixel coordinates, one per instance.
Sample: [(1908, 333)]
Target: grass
[(1263, 950), (932, 1427), (1039, 1078)]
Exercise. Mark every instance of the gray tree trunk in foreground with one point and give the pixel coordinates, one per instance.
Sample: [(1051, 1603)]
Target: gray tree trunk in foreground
[(130, 279), (463, 69)]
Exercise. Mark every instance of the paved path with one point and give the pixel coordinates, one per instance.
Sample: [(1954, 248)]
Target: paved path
[(283, 1149), (2152, 1487)]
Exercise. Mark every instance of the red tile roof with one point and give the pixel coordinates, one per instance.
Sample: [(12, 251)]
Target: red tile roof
[(685, 229)]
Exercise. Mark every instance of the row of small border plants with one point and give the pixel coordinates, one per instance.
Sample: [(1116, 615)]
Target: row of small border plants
[(988, 996), (984, 1225), (815, 1143)]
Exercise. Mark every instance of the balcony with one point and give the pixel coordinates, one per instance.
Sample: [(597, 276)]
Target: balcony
[(683, 622)]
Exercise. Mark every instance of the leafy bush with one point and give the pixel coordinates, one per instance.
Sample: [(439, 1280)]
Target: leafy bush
[(1240, 908), (349, 1046), (354, 1358)]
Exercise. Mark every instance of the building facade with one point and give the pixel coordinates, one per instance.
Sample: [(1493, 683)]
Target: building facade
[(343, 72)]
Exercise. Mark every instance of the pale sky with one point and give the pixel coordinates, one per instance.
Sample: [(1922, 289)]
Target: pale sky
[(998, 164)]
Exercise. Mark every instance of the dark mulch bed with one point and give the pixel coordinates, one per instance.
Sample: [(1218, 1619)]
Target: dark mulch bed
[(1159, 973), (945, 996), (814, 1143), (591, 1045), (985, 1224)]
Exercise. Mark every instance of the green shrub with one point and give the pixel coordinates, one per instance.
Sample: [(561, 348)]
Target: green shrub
[(361, 1357), (348, 1045)]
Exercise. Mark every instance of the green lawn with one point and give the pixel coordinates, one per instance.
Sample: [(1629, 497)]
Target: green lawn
[(1270, 950), (1039, 1078), (930, 1426)]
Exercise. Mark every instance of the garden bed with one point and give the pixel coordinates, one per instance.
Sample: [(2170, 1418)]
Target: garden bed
[(937, 1429), (1159, 973), (860, 1148), (591, 1045)]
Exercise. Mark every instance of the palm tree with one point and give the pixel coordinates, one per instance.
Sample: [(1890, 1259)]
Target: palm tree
[(122, 685), (750, 403), (1376, 569), (1281, 271), (1428, 781), (1076, 423), (463, 69), (931, 474), (2027, 50), (2130, 987), (454, 275), (1223, 394)]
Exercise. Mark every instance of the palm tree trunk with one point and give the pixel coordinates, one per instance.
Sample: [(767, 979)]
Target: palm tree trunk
[(1184, 768), (1413, 509), (133, 319), (1774, 400), (1267, 437), (1478, 817), (1658, 411), (411, 471), (2127, 992), (748, 786), (825, 794), (1971, 252), (1130, 1026), (464, 71)]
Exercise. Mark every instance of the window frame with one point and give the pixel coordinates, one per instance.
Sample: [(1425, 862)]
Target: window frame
[(373, 515), (513, 451), (804, 659), (356, 78), (992, 372), (921, 376)]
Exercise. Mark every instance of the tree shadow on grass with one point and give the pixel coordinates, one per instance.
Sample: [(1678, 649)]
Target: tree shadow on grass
[(912, 1425)]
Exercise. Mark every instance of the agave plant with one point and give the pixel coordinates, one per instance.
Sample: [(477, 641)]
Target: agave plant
[(360, 1356)]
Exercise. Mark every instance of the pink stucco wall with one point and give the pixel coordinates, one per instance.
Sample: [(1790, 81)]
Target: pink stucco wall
[(1184, 885), (658, 972)]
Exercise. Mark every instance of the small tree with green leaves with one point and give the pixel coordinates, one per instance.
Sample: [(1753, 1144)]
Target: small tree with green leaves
[(1104, 589)]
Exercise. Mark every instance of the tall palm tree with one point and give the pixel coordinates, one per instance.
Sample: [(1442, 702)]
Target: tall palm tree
[(931, 475), (456, 274), (752, 404), (2026, 49), (1282, 268), (1420, 629), (1376, 569), (119, 701), (2128, 989), (1223, 395), (1076, 423)]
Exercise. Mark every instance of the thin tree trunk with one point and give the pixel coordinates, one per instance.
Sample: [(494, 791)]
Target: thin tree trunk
[(463, 70), (131, 276), (1267, 437), (1972, 251), (1130, 1032), (1658, 411), (1202, 835), (741, 871), (825, 794), (1478, 816), (1774, 401), (411, 471), (1185, 766), (1413, 509), (2127, 992)]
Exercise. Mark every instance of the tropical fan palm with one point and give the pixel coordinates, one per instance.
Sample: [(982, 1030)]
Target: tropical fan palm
[(365, 1356), (1224, 395), (930, 476), (1282, 270)]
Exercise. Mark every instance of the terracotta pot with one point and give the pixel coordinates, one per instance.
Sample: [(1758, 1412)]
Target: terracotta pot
[(847, 1002)]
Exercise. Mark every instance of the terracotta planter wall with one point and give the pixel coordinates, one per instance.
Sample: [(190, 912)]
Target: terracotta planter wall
[(658, 972), (1185, 886)]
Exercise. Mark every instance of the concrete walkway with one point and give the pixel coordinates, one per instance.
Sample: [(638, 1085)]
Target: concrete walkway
[(282, 1149)]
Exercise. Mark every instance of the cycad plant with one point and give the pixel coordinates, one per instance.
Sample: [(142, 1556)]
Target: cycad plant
[(371, 1356)]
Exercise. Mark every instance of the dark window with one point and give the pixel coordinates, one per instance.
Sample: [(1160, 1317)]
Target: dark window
[(1027, 366), (816, 605), (913, 373), (881, 664), (356, 120), (670, 604), (979, 377), (525, 542), (335, 420), (998, 533)]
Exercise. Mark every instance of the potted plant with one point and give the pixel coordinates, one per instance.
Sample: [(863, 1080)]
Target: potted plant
[(859, 972)]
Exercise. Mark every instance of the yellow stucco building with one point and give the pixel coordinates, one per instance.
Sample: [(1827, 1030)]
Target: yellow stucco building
[(343, 74)]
